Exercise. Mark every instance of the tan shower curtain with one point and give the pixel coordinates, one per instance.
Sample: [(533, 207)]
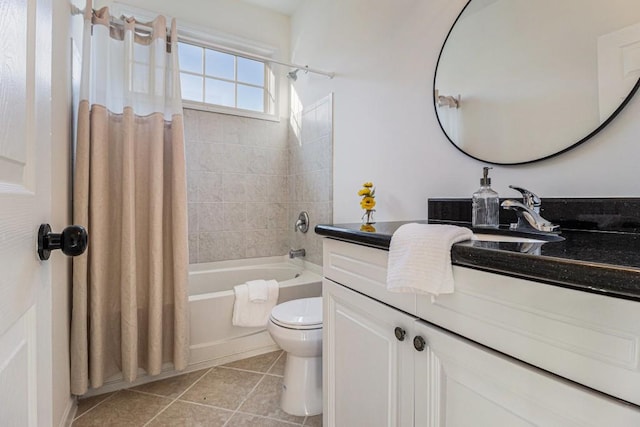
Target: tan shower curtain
[(130, 287)]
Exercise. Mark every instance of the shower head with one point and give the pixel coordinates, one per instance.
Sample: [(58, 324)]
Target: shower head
[(293, 75)]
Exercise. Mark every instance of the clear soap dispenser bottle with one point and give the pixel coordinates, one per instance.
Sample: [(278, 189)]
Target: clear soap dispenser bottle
[(485, 203)]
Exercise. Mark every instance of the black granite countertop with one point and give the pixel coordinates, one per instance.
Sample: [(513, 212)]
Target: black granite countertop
[(603, 262)]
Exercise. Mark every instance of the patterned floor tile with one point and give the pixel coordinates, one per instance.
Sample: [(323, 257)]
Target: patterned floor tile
[(260, 363), (248, 420), (171, 387), (125, 408), (315, 421), (278, 367), (191, 414), (85, 404), (224, 388), (265, 401)]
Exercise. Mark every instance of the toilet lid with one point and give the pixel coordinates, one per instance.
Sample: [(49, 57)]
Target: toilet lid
[(299, 313)]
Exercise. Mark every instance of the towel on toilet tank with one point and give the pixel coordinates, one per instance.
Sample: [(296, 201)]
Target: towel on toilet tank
[(420, 258), (253, 302)]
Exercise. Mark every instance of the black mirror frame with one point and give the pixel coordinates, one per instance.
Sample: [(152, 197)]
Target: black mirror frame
[(572, 146)]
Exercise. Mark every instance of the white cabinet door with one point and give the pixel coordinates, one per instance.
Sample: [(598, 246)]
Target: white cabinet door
[(25, 174), (367, 370), (459, 383)]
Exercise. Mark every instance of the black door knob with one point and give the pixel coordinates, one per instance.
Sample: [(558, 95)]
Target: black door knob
[(419, 343), (72, 241), (400, 333)]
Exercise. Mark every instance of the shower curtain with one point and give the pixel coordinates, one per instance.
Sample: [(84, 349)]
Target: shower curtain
[(129, 308)]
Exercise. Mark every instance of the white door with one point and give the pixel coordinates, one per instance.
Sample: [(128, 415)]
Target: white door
[(25, 202), (367, 370)]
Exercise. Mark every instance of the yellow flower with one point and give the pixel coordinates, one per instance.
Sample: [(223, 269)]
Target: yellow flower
[(368, 203), (368, 184), (368, 227), (364, 192)]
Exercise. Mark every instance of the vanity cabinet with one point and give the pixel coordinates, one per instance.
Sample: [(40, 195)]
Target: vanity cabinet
[(368, 371), (384, 365)]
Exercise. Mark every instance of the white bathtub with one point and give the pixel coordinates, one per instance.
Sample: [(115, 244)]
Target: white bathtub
[(214, 339)]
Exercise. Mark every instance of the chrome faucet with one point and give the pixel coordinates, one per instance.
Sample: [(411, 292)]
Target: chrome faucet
[(302, 224), (528, 212), (295, 253)]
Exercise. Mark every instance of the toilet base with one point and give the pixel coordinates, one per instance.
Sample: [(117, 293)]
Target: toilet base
[(302, 386)]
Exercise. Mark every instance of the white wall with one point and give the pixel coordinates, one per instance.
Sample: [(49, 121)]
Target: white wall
[(385, 130), (64, 27)]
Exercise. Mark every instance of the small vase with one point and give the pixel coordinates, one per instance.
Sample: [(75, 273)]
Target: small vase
[(367, 218)]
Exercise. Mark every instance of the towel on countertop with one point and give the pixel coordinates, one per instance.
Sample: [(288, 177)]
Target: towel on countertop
[(253, 302), (420, 258)]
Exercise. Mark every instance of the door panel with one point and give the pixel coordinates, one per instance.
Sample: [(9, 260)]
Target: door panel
[(25, 166)]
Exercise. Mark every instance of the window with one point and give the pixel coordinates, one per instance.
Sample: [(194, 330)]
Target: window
[(225, 81)]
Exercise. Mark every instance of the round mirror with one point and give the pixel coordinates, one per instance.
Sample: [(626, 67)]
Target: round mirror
[(522, 80)]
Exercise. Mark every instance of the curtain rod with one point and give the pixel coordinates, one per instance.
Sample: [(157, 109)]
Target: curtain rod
[(248, 55), (143, 26)]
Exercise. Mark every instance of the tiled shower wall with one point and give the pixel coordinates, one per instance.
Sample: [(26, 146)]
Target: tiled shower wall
[(237, 186), (311, 173), (248, 179)]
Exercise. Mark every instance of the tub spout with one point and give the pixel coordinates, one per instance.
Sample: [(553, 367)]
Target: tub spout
[(295, 253)]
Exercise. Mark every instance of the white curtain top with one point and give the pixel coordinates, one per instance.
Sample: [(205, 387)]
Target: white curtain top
[(124, 66)]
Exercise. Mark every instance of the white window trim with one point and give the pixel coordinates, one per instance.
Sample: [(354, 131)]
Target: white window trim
[(204, 37), (212, 108)]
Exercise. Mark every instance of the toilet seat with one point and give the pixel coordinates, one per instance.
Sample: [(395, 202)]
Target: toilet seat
[(302, 314)]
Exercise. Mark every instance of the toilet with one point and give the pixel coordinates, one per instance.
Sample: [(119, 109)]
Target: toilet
[(296, 326)]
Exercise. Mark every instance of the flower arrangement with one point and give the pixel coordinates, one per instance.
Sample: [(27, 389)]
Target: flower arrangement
[(368, 203)]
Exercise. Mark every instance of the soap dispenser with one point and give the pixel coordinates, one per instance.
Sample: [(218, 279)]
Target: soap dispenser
[(485, 203)]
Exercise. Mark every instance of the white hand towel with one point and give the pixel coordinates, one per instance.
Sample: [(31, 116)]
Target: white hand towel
[(258, 290), (420, 258), (253, 314)]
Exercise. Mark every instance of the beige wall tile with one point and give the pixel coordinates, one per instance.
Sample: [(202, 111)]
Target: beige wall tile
[(262, 243), (267, 216), (244, 174), (221, 245), (210, 187), (236, 187), (210, 216), (235, 216), (210, 128), (193, 248)]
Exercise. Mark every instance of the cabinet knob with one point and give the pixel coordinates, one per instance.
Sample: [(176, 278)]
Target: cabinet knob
[(400, 333), (419, 343)]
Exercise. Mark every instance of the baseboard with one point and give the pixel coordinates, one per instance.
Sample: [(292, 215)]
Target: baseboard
[(69, 413)]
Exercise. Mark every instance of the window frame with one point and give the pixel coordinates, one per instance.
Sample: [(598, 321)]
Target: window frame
[(270, 83)]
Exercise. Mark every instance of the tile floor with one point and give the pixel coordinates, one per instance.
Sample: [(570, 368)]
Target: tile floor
[(241, 393)]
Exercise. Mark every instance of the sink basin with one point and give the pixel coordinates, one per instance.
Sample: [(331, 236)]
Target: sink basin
[(525, 242), (504, 238), (514, 236)]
